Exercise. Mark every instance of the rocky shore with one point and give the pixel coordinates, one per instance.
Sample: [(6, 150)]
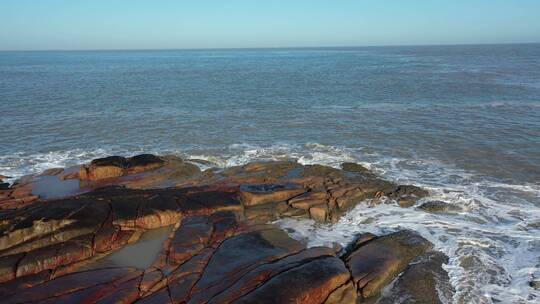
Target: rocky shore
[(61, 230)]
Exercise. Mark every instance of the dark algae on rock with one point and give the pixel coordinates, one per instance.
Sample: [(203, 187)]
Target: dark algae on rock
[(214, 240)]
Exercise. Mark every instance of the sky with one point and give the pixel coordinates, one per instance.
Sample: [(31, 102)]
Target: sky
[(173, 24)]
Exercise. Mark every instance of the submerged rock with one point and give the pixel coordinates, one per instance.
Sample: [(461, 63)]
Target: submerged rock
[(354, 167), (535, 284), (406, 195), (439, 207)]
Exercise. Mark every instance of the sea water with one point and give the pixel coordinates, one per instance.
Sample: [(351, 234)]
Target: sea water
[(461, 121)]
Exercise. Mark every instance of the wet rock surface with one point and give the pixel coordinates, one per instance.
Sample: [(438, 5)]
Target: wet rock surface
[(423, 281), (376, 263), (439, 207), (219, 246)]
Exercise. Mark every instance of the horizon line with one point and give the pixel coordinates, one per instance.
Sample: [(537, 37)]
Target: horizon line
[(268, 47)]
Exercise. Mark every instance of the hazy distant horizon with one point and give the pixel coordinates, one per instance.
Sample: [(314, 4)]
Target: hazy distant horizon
[(272, 47), (213, 24)]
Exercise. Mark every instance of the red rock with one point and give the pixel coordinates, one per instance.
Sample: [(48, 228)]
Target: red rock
[(160, 297), (220, 250), (258, 275), (190, 238), (309, 283), (72, 283), (237, 255), (19, 285)]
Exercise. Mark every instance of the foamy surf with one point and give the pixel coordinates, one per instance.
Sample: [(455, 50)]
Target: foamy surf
[(493, 240)]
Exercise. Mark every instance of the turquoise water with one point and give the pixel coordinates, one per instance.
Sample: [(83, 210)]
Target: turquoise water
[(463, 121)]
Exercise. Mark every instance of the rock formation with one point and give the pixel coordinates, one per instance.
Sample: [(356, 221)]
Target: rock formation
[(57, 228)]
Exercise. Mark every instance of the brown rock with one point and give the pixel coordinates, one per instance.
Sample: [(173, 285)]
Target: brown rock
[(94, 173), (348, 196), (345, 294), (52, 172), (360, 240), (265, 213), (192, 237), (18, 203), (353, 167), (379, 261), (322, 171), (309, 199), (116, 166), (319, 213), (424, 281), (295, 213), (144, 162), (274, 168), (219, 251), (54, 256), (265, 193)]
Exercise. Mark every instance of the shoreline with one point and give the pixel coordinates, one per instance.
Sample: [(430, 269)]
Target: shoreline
[(461, 235), (164, 191)]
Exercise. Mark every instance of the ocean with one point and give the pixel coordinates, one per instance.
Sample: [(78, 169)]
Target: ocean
[(461, 121)]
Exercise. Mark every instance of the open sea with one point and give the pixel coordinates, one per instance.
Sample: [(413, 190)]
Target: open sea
[(461, 121)]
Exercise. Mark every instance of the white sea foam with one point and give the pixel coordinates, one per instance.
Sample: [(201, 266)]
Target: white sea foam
[(20, 164), (493, 244)]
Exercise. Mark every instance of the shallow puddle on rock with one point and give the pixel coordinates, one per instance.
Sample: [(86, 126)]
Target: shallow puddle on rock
[(140, 255), (52, 187)]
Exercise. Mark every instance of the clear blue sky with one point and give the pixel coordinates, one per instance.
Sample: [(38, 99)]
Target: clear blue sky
[(151, 24)]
